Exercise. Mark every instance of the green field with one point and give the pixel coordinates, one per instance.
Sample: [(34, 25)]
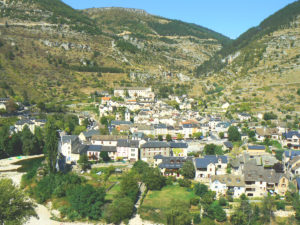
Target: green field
[(110, 195), (156, 203)]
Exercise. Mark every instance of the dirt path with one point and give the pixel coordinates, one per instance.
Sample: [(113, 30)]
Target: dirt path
[(136, 219)]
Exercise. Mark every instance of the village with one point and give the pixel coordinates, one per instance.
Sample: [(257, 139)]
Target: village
[(245, 157)]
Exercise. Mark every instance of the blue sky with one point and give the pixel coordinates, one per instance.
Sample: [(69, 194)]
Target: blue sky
[(229, 17)]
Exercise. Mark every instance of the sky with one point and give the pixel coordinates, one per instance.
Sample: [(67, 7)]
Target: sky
[(228, 17)]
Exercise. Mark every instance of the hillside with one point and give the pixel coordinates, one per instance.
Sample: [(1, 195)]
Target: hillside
[(50, 51), (261, 69)]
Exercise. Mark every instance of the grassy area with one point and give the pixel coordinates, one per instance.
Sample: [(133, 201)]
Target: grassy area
[(110, 195), (156, 203)]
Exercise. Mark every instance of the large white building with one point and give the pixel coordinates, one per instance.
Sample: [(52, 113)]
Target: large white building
[(135, 92)]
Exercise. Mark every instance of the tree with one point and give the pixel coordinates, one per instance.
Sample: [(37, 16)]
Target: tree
[(120, 209), (104, 156), (278, 167), (215, 211), (234, 134), (84, 162), (200, 189), (298, 91), (270, 116), (140, 167), (104, 130), (188, 170), (197, 135), (14, 146), (169, 137), (206, 200), (245, 214), (15, 207), (279, 154), (268, 206), (221, 135), (213, 149), (178, 213), (79, 129), (160, 137), (179, 137), (129, 186), (51, 145), (153, 179), (86, 200)]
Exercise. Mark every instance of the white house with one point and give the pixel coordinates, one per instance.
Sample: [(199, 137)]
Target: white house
[(234, 184), (244, 117), (135, 92), (128, 150), (71, 148), (209, 166), (106, 140)]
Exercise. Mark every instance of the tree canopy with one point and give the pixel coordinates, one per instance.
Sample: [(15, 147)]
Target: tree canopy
[(188, 170), (234, 134), (15, 207)]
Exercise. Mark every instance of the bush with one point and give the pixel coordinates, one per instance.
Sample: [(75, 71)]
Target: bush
[(184, 182), (120, 209), (87, 201), (200, 189), (280, 205), (197, 219), (169, 181), (222, 202), (194, 201)]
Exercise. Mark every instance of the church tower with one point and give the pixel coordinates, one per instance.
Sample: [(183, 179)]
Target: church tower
[(127, 115)]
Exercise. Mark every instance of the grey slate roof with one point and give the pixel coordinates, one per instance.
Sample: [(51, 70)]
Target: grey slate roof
[(140, 135), (291, 153), (94, 148), (79, 148), (120, 122), (178, 145), (173, 162), (90, 133), (158, 157), (160, 126), (208, 159), (290, 134), (258, 173), (68, 138), (127, 143), (109, 149), (156, 144), (256, 147), (189, 125), (230, 180), (228, 144)]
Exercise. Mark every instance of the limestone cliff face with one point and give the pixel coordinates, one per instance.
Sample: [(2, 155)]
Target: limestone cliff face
[(60, 51)]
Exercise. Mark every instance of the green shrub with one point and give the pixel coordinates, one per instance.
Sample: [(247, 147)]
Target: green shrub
[(194, 201), (184, 182)]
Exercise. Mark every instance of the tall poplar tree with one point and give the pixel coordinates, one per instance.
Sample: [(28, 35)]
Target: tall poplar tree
[(51, 144)]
